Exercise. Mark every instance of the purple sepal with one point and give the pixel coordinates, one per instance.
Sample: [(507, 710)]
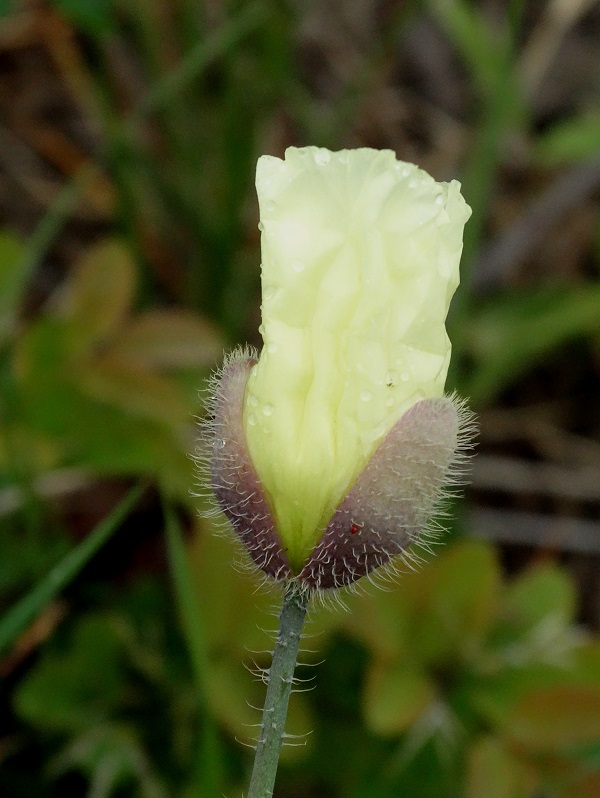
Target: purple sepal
[(234, 479), (392, 500)]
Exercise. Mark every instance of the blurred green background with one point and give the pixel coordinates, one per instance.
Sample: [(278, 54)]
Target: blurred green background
[(129, 261)]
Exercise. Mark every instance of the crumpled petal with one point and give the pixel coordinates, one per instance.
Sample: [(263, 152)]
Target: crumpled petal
[(360, 256)]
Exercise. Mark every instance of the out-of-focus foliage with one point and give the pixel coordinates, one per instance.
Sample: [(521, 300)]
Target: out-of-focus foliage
[(468, 679), (89, 384), (492, 675), (129, 260)]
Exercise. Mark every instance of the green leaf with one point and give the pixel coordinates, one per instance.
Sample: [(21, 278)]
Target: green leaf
[(242, 609), (544, 594), (515, 331), (41, 363), (394, 697), (474, 38), (7, 7), (79, 686), (13, 280), (570, 140), (134, 391), (16, 620), (111, 755), (499, 696), (92, 16), (209, 765), (459, 602)]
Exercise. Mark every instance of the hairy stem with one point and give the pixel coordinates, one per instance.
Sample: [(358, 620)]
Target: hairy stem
[(281, 675)]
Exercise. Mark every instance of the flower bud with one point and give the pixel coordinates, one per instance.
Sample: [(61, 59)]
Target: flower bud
[(330, 451)]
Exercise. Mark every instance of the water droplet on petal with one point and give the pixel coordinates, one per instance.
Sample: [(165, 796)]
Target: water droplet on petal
[(365, 396), (389, 402), (297, 266), (439, 200), (261, 226), (405, 376), (322, 157), (270, 206), (252, 400), (252, 419), (269, 292), (267, 410), (272, 348)]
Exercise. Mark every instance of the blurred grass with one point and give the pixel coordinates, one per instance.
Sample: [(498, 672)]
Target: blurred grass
[(129, 261)]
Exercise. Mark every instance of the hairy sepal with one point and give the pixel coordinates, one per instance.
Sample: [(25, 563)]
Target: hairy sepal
[(394, 497), (388, 508), (233, 477)]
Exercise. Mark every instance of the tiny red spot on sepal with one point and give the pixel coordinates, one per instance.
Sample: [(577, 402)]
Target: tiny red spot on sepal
[(354, 529)]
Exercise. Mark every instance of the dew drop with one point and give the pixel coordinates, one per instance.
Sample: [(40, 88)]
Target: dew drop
[(439, 200), (272, 348), (253, 400), (269, 292), (222, 443), (322, 157), (389, 402), (267, 409), (297, 266), (270, 206), (405, 376), (261, 226), (252, 419), (413, 183), (261, 329), (365, 396)]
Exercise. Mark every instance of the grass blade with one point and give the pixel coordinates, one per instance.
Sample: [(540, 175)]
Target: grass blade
[(23, 613), (209, 769)]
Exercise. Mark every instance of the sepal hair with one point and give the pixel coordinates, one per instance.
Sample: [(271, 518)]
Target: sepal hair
[(225, 465), (386, 514)]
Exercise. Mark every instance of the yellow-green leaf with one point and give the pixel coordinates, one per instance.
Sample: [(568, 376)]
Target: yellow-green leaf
[(464, 587), (542, 593), (495, 772), (170, 339), (13, 275), (394, 697), (98, 294), (551, 719), (138, 392)]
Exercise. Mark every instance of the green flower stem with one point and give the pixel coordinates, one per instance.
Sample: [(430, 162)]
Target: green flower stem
[(279, 687)]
